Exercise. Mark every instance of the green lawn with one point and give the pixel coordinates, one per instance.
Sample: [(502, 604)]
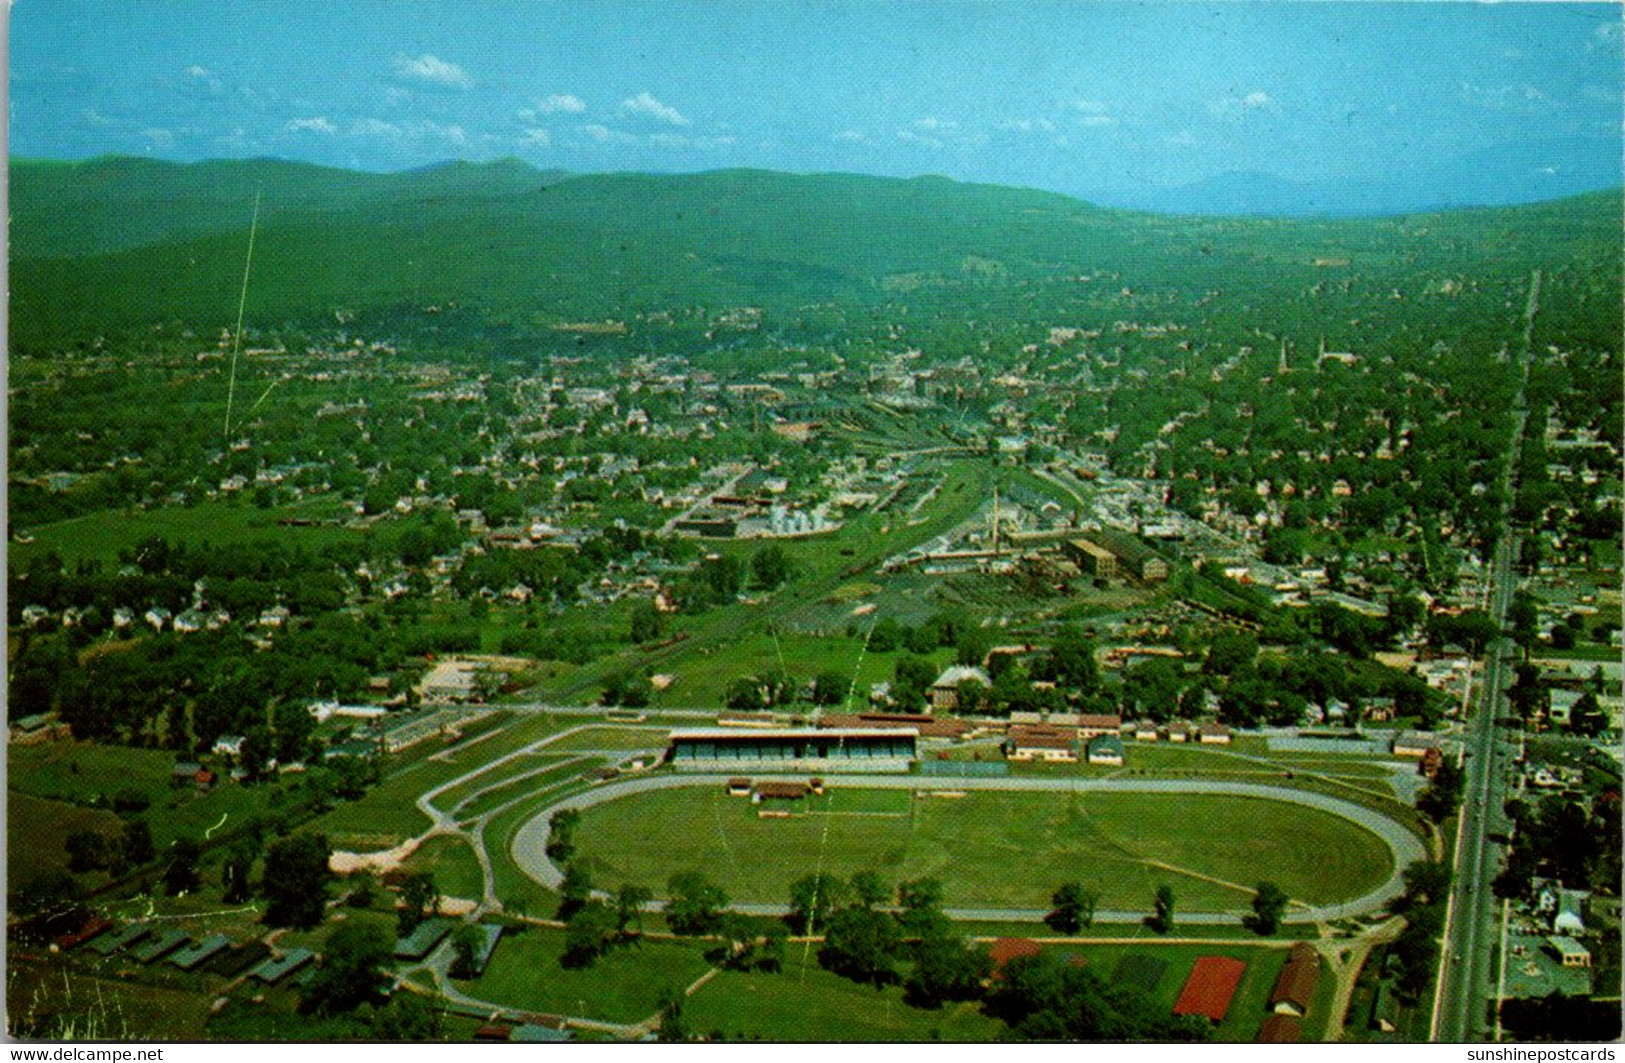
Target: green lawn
[(501, 793), (387, 815), (611, 737), (1247, 1007), (36, 829), (456, 872), (625, 985), (702, 679), (103, 535), (496, 777), (85, 774), (997, 849), (806, 1003)]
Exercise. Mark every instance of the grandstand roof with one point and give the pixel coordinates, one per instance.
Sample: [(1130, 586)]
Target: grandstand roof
[(729, 734)]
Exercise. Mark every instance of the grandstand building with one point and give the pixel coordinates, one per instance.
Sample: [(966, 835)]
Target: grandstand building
[(794, 749)]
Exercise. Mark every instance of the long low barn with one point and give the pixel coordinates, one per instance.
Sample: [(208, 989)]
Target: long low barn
[(794, 749)]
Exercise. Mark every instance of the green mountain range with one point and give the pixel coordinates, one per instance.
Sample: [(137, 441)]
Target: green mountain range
[(119, 243)]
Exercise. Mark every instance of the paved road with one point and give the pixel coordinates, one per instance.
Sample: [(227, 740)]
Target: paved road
[(529, 844), (1466, 975)]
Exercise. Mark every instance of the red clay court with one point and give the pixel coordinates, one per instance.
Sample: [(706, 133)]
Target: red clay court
[(1208, 990)]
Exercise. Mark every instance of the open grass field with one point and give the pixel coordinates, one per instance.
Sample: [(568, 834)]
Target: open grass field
[(36, 829), (89, 776), (702, 679), (387, 815), (611, 738), (1247, 1007), (804, 1002), (997, 849), (52, 1002), (451, 862), (103, 535), (625, 985), (521, 785), (497, 776)]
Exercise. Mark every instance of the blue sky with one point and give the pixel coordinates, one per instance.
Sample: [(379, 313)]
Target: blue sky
[(1085, 98)]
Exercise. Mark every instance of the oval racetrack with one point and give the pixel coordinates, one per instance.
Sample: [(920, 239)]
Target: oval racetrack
[(529, 843)]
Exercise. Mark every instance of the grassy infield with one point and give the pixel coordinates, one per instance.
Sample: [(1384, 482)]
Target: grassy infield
[(991, 839), (994, 849), (997, 849)]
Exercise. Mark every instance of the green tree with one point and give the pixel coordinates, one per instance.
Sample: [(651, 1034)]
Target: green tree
[(812, 898), (352, 971), (920, 901), (1162, 916), (695, 904), (830, 688), (88, 850), (672, 1028), (647, 624), (574, 891), (770, 567), (136, 842), (420, 898), (295, 880), (860, 944), (1269, 904), (561, 835), (235, 870), (1074, 908), (946, 969), (629, 902), (465, 945), (180, 872), (1072, 661), (589, 934), (869, 889)]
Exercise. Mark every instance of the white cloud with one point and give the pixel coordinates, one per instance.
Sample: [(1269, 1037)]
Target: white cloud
[(562, 104), (850, 136), (1517, 99), (453, 133), (1028, 125), (908, 136), (96, 118), (935, 125), (536, 138), (310, 125), (1182, 139), (1089, 106), (1253, 101), (1097, 121), (645, 104), (598, 132), (374, 127), (433, 70), (159, 138)]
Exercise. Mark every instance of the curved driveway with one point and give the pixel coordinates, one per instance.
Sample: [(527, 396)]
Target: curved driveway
[(530, 841)]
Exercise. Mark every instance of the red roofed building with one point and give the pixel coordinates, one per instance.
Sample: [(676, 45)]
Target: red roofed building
[(1281, 1030), (1208, 990), (1295, 987), (1093, 725)]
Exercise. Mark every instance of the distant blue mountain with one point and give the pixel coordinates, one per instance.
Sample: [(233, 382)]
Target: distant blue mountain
[(1517, 173)]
